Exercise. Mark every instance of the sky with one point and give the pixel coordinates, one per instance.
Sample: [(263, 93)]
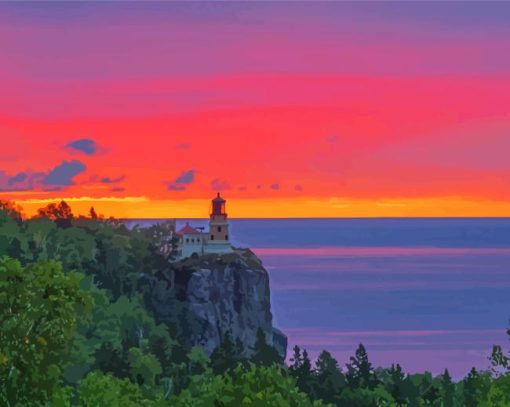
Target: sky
[(305, 109)]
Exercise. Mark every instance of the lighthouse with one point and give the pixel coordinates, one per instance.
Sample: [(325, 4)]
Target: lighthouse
[(218, 225), (192, 241), (218, 240)]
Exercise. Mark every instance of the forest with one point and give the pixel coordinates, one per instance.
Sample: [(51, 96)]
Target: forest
[(76, 330)]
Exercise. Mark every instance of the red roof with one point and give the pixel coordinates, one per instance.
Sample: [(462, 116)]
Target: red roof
[(189, 230)]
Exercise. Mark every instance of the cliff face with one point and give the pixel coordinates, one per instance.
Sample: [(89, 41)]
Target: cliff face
[(225, 293)]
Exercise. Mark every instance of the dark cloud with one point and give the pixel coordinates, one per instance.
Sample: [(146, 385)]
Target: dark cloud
[(242, 188), (183, 146), (298, 188), (108, 180), (176, 187), (275, 187), (22, 181), (259, 186), (218, 184), (84, 145), (18, 178), (64, 173), (182, 181), (117, 189)]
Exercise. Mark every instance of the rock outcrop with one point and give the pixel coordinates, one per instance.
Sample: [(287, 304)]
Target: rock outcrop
[(225, 293)]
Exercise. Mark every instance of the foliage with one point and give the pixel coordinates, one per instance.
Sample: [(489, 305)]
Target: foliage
[(360, 372), (99, 389), (330, 381), (39, 307), (256, 386), (94, 338), (228, 355), (264, 354)]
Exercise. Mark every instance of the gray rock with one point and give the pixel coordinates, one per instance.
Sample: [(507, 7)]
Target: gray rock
[(227, 293)]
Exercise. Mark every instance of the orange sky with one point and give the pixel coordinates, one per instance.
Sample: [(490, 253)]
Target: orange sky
[(383, 115)]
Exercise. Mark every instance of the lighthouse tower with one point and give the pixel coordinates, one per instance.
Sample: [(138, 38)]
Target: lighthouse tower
[(218, 226), (218, 239)]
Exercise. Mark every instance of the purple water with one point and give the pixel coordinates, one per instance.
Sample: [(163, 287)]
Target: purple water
[(429, 294)]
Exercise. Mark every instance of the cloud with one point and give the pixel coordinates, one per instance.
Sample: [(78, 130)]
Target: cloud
[(176, 187), (64, 173), (108, 180), (117, 189), (84, 145), (275, 187), (183, 146), (218, 184), (20, 177), (332, 139), (298, 188), (179, 184), (22, 181)]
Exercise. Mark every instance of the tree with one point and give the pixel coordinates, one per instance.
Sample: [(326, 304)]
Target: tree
[(92, 213), (360, 372), (498, 394), (11, 210), (264, 354), (397, 385), (256, 386), (99, 389), (39, 306), (447, 389), (301, 369), (60, 213), (330, 381), (227, 356), (144, 367), (470, 390)]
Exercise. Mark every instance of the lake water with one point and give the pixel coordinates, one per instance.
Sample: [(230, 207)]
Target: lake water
[(429, 294)]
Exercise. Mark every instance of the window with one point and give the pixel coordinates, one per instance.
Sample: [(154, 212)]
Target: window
[(219, 228), (192, 240), (212, 237), (187, 240), (198, 240), (226, 237)]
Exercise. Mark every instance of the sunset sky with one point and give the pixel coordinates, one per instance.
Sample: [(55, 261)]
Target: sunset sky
[(289, 109)]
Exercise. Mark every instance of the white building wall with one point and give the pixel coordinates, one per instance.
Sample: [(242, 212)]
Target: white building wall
[(192, 243)]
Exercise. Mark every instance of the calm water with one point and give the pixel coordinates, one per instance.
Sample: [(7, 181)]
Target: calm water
[(427, 293)]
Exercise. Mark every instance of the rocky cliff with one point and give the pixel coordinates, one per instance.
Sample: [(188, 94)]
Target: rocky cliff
[(223, 293)]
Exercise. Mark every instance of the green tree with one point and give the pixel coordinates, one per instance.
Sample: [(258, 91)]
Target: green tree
[(99, 389), (397, 385), (60, 213), (11, 210), (365, 397), (360, 372), (144, 367), (264, 354), (470, 388), (227, 356), (39, 306), (330, 381), (301, 369), (447, 389), (498, 394), (257, 387)]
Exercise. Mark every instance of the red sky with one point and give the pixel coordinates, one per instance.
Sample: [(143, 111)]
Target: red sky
[(290, 109)]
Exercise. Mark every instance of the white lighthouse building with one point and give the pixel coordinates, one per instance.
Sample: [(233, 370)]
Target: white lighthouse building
[(192, 240)]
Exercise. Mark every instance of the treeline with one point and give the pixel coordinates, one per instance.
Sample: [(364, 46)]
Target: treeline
[(76, 330)]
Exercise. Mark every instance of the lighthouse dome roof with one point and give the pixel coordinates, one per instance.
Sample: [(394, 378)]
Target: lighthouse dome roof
[(218, 198)]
